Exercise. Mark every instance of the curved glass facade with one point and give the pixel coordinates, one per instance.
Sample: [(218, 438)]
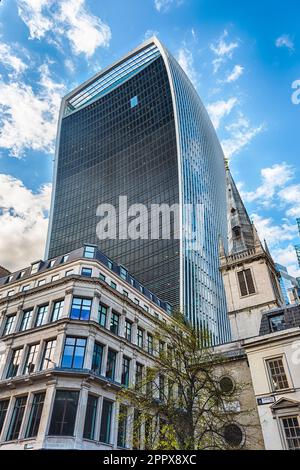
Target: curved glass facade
[(139, 129)]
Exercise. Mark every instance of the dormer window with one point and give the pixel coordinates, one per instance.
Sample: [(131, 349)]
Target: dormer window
[(65, 258), (35, 268), (51, 263), (89, 251)]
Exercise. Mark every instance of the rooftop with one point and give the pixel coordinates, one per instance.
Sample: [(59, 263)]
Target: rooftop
[(88, 252), (279, 319)]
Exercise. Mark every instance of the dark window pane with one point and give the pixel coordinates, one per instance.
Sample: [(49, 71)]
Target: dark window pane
[(35, 415), (90, 417), (16, 419), (97, 358), (3, 410), (106, 421), (64, 413)]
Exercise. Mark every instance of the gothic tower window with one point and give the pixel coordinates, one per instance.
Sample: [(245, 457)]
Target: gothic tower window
[(246, 282)]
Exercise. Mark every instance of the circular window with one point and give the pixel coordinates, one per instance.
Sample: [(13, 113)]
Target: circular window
[(227, 385), (233, 435)]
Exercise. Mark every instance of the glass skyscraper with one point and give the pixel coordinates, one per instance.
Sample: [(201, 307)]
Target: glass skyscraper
[(139, 129)]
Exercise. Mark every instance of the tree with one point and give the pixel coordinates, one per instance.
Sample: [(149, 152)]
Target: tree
[(178, 402)]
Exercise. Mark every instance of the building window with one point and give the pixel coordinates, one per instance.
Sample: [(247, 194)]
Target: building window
[(233, 435), (51, 263), (87, 272), (105, 427), (9, 325), (102, 277), (31, 359), (277, 322), (122, 427), (111, 364), (125, 292), (3, 410), (16, 419), (90, 417), (89, 251), (25, 288), (97, 359), (114, 323), (35, 415), (64, 413), (140, 337), (69, 272), (10, 293), (26, 320), (81, 308), (128, 330), (65, 258), (35, 268), (139, 372), (22, 273), (48, 355), (125, 371), (291, 426), (113, 285), (277, 374), (109, 264), (41, 315), (227, 385), (57, 310), (41, 282), (74, 351), (150, 343), (134, 101), (136, 301), (102, 315), (14, 363), (246, 282), (146, 308), (123, 273), (55, 277)]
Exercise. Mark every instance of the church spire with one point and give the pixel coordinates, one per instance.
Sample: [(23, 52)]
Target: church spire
[(242, 234)]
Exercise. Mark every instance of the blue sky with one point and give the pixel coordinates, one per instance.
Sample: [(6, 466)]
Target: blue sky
[(243, 58)]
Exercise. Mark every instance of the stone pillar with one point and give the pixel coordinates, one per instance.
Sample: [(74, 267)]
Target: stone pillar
[(115, 424), (104, 360), (108, 319), (81, 411), (60, 341), (67, 303), (89, 351), (95, 307), (46, 413), (134, 331), (122, 324), (119, 362), (132, 371)]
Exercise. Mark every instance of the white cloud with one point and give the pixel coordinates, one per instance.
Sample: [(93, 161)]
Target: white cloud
[(186, 60), (164, 5), (223, 50), (290, 196), (10, 60), (23, 220), (28, 120), (67, 18), (241, 134), (272, 179), (85, 32), (237, 71), (285, 41), (272, 233), (220, 109)]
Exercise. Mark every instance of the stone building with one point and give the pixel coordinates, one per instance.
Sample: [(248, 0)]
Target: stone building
[(74, 330), (274, 361)]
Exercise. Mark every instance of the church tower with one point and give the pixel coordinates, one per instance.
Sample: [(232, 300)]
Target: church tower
[(249, 274)]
